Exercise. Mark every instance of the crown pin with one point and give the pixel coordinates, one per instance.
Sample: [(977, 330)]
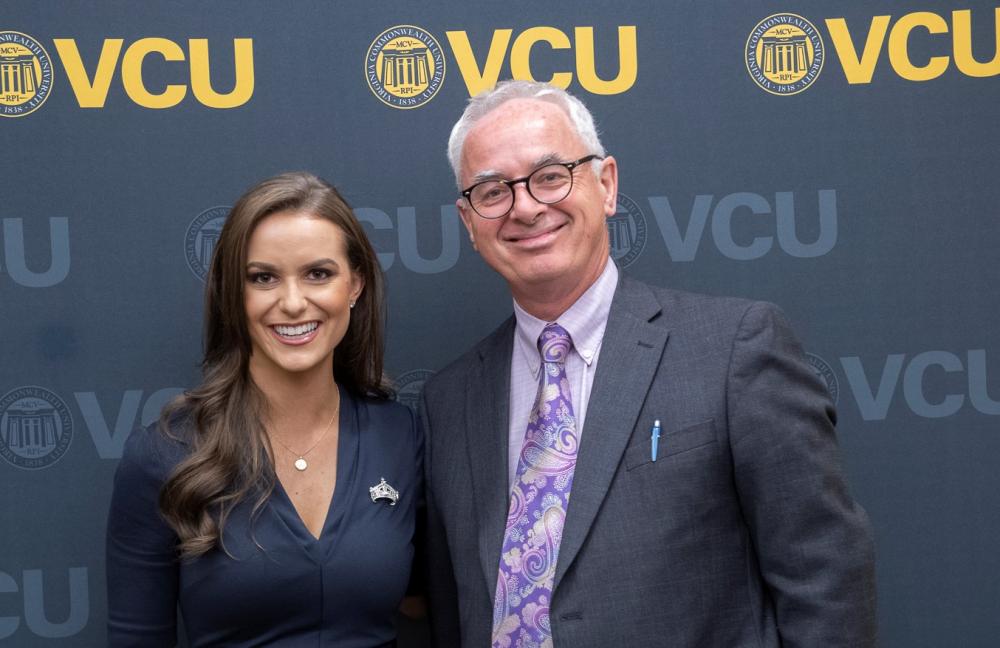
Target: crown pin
[(383, 491)]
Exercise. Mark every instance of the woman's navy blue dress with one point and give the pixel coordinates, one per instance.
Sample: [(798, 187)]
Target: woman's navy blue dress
[(293, 589)]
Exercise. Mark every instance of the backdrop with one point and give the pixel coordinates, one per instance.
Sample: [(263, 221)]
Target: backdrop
[(838, 159)]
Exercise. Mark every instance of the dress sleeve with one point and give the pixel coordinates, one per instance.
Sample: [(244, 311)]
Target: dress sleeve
[(813, 541), (142, 566)]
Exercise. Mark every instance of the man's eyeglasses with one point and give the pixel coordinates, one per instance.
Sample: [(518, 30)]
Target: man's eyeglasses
[(548, 184)]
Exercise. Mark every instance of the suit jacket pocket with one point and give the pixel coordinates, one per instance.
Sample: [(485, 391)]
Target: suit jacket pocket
[(671, 443)]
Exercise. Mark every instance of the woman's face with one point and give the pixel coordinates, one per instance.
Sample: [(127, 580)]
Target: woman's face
[(298, 291)]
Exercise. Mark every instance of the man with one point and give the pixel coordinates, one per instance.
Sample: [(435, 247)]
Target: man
[(618, 464)]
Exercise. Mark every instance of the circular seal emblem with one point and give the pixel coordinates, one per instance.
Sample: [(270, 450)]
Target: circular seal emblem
[(409, 385), (404, 67), (626, 231), (784, 54), (25, 74), (200, 239), (825, 372), (36, 427)]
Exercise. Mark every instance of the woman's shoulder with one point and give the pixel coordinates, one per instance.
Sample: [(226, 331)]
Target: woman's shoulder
[(154, 450), (385, 408), (389, 418)]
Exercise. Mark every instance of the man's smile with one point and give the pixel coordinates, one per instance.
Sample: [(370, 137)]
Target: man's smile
[(538, 237)]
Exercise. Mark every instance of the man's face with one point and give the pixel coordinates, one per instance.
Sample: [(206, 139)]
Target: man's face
[(541, 250)]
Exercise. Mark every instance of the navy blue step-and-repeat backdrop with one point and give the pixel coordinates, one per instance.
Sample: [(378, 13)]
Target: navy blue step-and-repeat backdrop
[(840, 159)]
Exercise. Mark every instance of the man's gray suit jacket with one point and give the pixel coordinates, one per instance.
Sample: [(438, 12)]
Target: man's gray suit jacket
[(741, 534)]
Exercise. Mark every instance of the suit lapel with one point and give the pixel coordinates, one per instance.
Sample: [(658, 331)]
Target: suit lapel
[(488, 429), (630, 354)]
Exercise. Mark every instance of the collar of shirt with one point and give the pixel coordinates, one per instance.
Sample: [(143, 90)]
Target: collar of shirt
[(585, 321)]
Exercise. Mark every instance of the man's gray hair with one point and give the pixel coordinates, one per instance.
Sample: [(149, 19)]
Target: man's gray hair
[(485, 102)]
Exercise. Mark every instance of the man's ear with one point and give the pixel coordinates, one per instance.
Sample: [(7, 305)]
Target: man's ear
[(609, 182), (468, 217)]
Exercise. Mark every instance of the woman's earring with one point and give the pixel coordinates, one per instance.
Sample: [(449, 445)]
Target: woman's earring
[(352, 303)]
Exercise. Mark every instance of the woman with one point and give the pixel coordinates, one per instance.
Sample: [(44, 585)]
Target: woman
[(275, 503)]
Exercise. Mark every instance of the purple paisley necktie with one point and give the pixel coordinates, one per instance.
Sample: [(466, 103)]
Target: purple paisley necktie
[(538, 501)]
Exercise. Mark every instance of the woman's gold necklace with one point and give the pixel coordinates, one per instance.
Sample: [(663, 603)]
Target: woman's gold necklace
[(300, 462)]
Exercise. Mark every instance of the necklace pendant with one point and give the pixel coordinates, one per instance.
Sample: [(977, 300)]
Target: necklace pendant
[(301, 464)]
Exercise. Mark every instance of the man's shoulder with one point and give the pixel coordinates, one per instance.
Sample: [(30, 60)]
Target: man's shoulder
[(705, 324), (683, 307)]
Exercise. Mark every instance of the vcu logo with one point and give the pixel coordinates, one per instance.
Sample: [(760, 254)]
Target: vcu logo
[(859, 68), (784, 54), (404, 67), (36, 427), (25, 74), (482, 77), (200, 239), (626, 231), (91, 89), (410, 385)]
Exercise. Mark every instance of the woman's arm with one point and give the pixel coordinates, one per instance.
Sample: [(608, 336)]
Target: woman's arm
[(142, 565)]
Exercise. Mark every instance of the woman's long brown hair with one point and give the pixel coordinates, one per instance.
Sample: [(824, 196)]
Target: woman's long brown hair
[(229, 460)]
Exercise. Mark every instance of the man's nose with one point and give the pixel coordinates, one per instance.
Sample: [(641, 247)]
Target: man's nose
[(525, 208)]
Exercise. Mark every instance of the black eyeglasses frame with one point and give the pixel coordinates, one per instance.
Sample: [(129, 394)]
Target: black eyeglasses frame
[(570, 166)]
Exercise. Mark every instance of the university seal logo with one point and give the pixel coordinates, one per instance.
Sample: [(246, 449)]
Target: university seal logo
[(409, 385), (201, 237), (627, 231), (784, 54), (36, 427), (404, 67), (25, 74), (825, 372)]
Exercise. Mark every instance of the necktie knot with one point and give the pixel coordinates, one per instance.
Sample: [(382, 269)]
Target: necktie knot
[(554, 343)]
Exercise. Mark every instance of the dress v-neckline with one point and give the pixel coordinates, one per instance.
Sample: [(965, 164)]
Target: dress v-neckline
[(284, 508)]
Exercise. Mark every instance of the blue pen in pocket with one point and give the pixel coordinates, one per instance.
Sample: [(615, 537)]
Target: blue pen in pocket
[(655, 438)]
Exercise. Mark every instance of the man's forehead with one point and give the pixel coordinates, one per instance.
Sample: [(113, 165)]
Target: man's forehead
[(521, 110), (522, 127)]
